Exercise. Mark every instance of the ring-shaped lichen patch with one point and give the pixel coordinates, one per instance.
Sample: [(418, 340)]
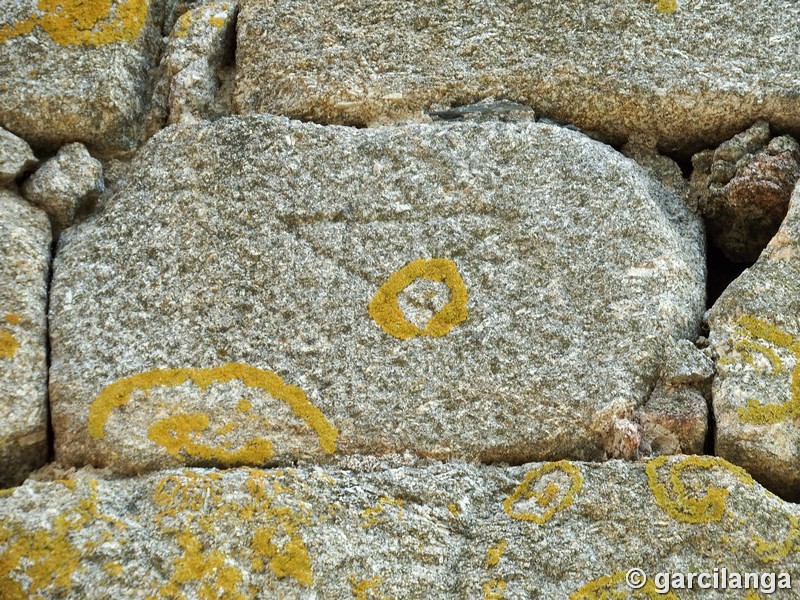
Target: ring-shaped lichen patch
[(385, 310), (673, 496), (551, 499), (118, 394)]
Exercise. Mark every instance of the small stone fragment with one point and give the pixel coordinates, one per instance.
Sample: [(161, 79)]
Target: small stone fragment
[(66, 185), (755, 330), (262, 290), (16, 157), (197, 48), (73, 70), (742, 190), (558, 530), (674, 421), (24, 266)]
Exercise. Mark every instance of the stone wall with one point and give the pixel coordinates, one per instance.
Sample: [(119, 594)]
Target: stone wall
[(399, 300)]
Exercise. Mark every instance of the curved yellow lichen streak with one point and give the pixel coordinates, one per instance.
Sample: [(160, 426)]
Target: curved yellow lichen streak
[(675, 500), (755, 412), (547, 499), (385, 309), (774, 551), (615, 587), (174, 434), (83, 22), (118, 394)]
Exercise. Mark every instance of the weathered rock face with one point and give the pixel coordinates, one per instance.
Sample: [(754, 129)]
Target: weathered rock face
[(262, 290), (754, 327), (16, 157), (66, 184), (688, 77), (77, 71), (24, 266), (198, 46), (742, 189), (554, 530)]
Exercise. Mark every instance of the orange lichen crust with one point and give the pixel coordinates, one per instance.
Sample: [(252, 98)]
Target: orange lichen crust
[(673, 496), (173, 433), (385, 309), (40, 563), (196, 506), (614, 587), (551, 499), (83, 22), (753, 328)]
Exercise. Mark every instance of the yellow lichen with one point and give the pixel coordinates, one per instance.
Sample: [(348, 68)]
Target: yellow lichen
[(754, 328), (385, 309), (41, 562), (194, 507), (244, 405), (8, 345), (666, 6), (113, 568), (494, 589), (217, 22), (118, 394), (494, 553), (12, 319), (614, 587), (775, 551), (548, 498), (454, 509), (81, 22), (673, 496), (366, 589), (174, 435), (371, 515)]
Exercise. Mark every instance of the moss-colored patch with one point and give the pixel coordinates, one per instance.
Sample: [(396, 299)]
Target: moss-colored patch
[(83, 22), (552, 499), (673, 497), (385, 309), (173, 433)]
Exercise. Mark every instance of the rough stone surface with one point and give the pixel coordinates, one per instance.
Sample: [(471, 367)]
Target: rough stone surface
[(198, 46), (262, 290), (755, 326), (690, 77), (742, 190), (555, 530), (77, 71), (16, 157), (24, 265), (66, 184)]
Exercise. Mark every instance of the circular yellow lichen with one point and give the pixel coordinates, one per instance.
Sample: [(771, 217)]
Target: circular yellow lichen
[(385, 309), (673, 496), (552, 499)]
